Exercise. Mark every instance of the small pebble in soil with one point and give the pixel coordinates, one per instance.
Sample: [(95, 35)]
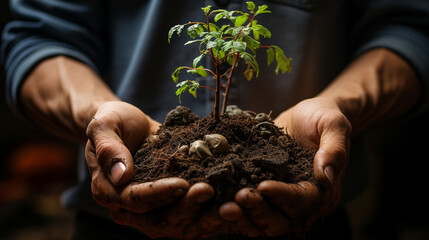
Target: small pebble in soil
[(262, 117), (201, 149), (233, 110), (183, 149), (217, 143)]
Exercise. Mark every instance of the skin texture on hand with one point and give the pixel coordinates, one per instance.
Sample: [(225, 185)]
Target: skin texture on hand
[(376, 87), (165, 208), (67, 98), (278, 208)]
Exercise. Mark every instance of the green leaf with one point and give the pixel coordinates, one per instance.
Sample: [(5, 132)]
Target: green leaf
[(220, 54), (230, 59), (194, 30), (249, 59), (193, 41), (221, 15), (175, 75), (211, 44), (248, 73), (262, 9), (182, 86), (259, 29), (213, 27), (190, 85), (206, 9), (176, 28), (216, 44), (251, 6), (200, 71), (270, 56), (239, 46), (193, 88), (252, 44), (236, 31), (197, 60), (215, 34), (283, 63), (255, 33), (227, 46), (240, 20)]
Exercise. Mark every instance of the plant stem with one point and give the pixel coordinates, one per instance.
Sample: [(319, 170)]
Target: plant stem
[(217, 93), (228, 84)]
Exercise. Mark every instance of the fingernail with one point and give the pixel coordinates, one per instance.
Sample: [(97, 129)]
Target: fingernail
[(117, 171), (330, 174)]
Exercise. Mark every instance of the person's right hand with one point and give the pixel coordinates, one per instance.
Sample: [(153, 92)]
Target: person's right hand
[(165, 208)]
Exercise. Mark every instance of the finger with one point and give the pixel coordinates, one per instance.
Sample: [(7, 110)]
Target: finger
[(104, 193), (238, 221), (144, 197), (331, 157), (206, 224), (112, 155), (295, 200), (148, 226), (174, 219), (272, 221), (187, 208)]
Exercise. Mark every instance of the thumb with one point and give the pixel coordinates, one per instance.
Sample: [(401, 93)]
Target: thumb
[(331, 158), (112, 157)]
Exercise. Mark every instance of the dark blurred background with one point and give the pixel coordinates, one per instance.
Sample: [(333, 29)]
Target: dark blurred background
[(35, 168)]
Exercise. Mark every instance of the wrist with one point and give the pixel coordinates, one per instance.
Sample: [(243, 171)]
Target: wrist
[(377, 87), (62, 95)]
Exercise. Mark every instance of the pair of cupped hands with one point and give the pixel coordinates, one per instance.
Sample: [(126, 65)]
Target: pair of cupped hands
[(170, 207)]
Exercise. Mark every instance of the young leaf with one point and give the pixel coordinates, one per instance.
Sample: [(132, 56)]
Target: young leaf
[(197, 60), (251, 6), (175, 75), (227, 46), (283, 63), (248, 73), (262, 9), (189, 85), (255, 33), (193, 41), (181, 87), (237, 31), (230, 59), (239, 46), (250, 60), (193, 88), (261, 30), (270, 56), (206, 9), (220, 15), (177, 28), (240, 20), (200, 71), (194, 30), (252, 44)]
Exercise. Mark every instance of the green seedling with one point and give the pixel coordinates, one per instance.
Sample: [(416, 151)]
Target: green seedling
[(227, 44)]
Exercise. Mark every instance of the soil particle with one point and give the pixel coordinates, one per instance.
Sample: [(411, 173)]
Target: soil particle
[(255, 154)]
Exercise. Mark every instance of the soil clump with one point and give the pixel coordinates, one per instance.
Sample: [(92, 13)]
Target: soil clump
[(257, 151)]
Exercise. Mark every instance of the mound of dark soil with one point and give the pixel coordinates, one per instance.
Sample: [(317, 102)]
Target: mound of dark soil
[(258, 150)]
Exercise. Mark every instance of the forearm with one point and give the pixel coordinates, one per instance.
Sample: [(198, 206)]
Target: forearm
[(61, 95), (376, 87)]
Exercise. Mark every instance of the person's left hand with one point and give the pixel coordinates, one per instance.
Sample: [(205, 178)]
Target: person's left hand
[(278, 208)]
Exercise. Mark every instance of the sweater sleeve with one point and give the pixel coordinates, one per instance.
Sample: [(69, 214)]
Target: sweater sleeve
[(41, 29), (401, 26)]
